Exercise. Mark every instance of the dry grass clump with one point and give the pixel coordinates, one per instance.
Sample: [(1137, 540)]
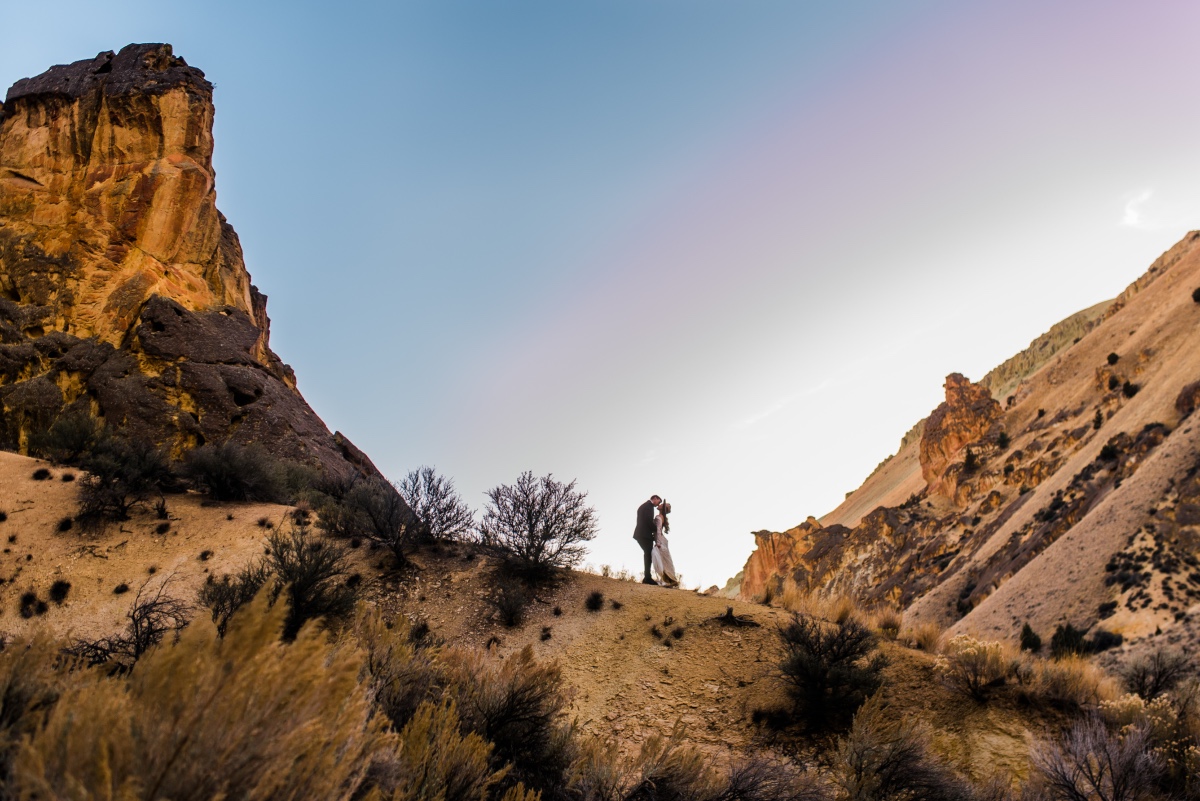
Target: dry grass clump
[(1072, 683), (925, 637), (811, 603), (243, 730), (886, 622), (973, 667), (882, 759)]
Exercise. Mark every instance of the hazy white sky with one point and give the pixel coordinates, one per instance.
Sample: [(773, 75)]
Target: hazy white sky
[(722, 252)]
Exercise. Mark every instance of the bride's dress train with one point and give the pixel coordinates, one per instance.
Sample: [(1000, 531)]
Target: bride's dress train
[(661, 562)]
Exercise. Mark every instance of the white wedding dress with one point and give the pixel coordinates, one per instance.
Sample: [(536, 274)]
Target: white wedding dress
[(660, 559)]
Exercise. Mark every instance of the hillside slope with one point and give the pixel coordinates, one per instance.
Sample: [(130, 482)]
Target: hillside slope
[(976, 522)]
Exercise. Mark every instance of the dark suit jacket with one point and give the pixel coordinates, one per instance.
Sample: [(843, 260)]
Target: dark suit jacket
[(645, 523)]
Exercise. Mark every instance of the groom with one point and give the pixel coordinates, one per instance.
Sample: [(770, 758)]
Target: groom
[(645, 531)]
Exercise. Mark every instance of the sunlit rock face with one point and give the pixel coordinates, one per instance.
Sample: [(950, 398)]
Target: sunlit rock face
[(967, 416), (122, 288)]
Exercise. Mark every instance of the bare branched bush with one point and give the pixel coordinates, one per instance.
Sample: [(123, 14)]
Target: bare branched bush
[(244, 729), (372, 510), (440, 512), (1091, 763), (830, 668), (511, 598), (973, 667), (231, 472), (1156, 673), (153, 614), (881, 759), (538, 523), (313, 574)]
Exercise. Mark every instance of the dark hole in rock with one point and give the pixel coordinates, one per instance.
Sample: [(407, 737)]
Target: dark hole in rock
[(35, 331), (157, 327), (242, 398)]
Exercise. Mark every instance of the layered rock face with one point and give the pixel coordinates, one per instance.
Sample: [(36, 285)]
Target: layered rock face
[(967, 416), (123, 290), (1073, 502)]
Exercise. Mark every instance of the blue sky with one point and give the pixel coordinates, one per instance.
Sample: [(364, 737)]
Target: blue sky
[(721, 251)]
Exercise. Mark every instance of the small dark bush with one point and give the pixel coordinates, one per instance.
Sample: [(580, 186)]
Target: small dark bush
[(545, 633), (1041, 413), (12, 538), (231, 472), (1067, 641), (374, 511), (162, 528), (69, 439), (1113, 382), (65, 524), (656, 632), (264, 522), (1098, 420), (1107, 609), (41, 474), (3, 517), (615, 603), (41, 608), (354, 580), (1113, 359), (59, 590), (205, 555), (121, 589), (1003, 441), (29, 601), (511, 599), (1109, 453), (831, 669), (160, 509), (121, 475), (677, 632), (152, 570), (595, 601), (558, 611), (1196, 295), (1102, 640), (1129, 389), (1159, 672)]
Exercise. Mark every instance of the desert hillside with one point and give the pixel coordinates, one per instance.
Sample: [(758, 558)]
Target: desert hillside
[(1057, 496)]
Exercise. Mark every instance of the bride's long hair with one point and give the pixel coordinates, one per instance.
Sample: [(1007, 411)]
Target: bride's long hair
[(664, 509)]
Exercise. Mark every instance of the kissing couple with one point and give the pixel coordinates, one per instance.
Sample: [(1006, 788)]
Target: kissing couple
[(651, 534)]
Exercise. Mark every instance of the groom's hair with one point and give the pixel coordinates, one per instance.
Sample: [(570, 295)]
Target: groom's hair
[(656, 497)]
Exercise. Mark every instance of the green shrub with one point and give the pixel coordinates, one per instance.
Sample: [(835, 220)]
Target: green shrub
[(231, 472), (830, 668)]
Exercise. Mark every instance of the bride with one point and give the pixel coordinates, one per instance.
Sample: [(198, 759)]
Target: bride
[(664, 567)]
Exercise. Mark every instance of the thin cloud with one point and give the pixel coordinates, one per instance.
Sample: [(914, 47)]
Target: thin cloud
[(779, 405), (1134, 213)]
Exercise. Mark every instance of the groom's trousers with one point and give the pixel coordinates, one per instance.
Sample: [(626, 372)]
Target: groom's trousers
[(647, 550)]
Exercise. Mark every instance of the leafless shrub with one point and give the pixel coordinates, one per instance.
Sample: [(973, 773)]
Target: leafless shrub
[(1090, 763), (152, 616), (441, 513), (1159, 672), (539, 523), (372, 510)]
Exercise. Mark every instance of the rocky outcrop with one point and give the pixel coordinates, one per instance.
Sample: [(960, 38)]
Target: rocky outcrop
[(123, 290), (967, 416)]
